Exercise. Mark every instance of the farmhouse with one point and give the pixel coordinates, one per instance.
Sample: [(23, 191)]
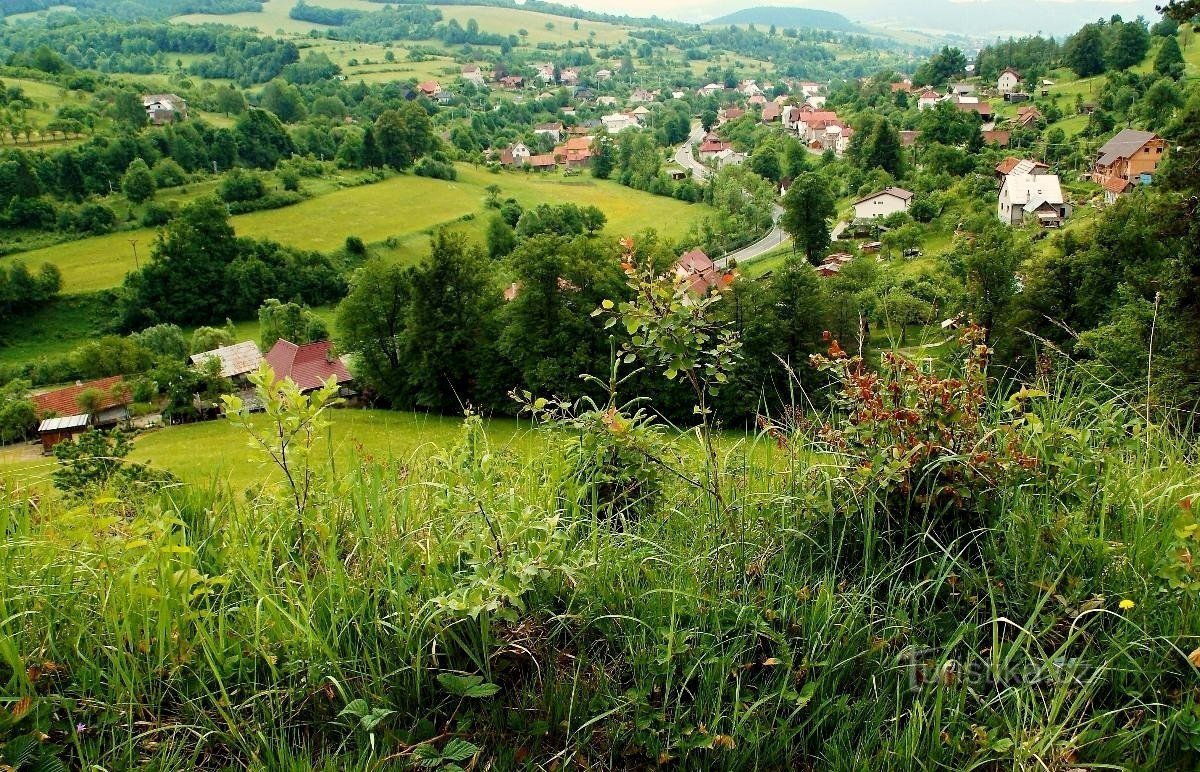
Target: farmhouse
[(512, 81), (164, 108), (64, 411), (575, 152), (1036, 197), (881, 204), (1008, 81), (472, 74), (235, 361), (552, 130), (701, 273), (308, 366), (711, 147), (928, 100), (771, 112), (429, 88), (618, 122), (1132, 158), (543, 163)]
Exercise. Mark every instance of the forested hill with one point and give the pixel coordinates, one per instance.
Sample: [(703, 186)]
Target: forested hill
[(791, 17), (133, 9)]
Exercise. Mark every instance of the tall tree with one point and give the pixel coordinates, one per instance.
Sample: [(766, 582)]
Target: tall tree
[(808, 207), (885, 150), (138, 182), (1169, 61), (1129, 45), (1084, 52), (372, 324), (404, 135), (261, 139)]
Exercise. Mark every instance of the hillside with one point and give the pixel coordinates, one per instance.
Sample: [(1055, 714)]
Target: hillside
[(790, 18)]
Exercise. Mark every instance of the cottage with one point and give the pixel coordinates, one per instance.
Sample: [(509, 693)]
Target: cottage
[(997, 138), (928, 100), (109, 398), (885, 202), (569, 76), (544, 72), (771, 112), (472, 74), (972, 105), (701, 273), (711, 146), (1008, 81), (728, 157), (575, 152), (640, 114), (1131, 156), (962, 89), (757, 100), (732, 114), (1028, 116), (603, 75), (309, 366), (1032, 197), (552, 130), (543, 163), (712, 89), (618, 122), (429, 88), (234, 362), (162, 109), (512, 82)]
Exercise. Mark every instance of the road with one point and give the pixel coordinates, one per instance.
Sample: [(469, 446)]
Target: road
[(774, 238)]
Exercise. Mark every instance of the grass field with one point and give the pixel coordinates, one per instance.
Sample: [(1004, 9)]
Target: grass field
[(274, 17), (509, 21), (403, 206)]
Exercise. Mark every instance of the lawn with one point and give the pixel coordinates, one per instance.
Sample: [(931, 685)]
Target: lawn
[(509, 21), (404, 206)]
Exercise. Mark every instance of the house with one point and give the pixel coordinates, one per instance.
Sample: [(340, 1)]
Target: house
[(1114, 188), (928, 100), (543, 163), (904, 85), (640, 114), (1032, 197), (1028, 116), (472, 74), (309, 366), (569, 76), (641, 95), (235, 361), (575, 152), (757, 100), (429, 88), (607, 101), (771, 112), (603, 75), (997, 138), (711, 146), (701, 273), (972, 105), (1132, 156), (816, 102), (842, 142), (712, 89), (962, 89), (728, 157), (552, 130), (111, 404), (909, 138), (809, 88), (1014, 165), (732, 114), (52, 431), (1008, 81), (512, 82), (164, 108), (544, 72), (1017, 96), (885, 202), (515, 155), (618, 122)]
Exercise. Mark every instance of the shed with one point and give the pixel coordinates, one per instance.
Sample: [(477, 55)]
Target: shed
[(55, 430)]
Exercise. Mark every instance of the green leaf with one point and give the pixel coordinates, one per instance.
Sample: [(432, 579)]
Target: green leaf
[(467, 686), (357, 708), (459, 750), (606, 304)]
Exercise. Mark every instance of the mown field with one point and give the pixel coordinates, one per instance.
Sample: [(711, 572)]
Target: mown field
[(405, 206), (274, 17)]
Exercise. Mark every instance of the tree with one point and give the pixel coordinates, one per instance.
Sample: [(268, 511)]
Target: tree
[(168, 174), (229, 101), (808, 207), (261, 139), (501, 238), (241, 185), (941, 67), (371, 322), (604, 158), (988, 266), (403, 135), (451, 313), (1159, 103), (138, 182), (708, 119), (283, 99), (289, 321), (764, 162), (1129, 45), (885, 150), (70, 176), (210, 338), (164, 341), (1169, 61), (1084, 52), (18, 413), (127, 110)]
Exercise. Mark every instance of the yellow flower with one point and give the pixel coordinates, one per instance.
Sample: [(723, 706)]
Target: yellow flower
[(1126, 604)]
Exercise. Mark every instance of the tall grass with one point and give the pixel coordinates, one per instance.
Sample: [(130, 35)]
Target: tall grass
[(791, 628)]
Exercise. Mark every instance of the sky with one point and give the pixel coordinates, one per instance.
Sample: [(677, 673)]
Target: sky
[(986, 19)]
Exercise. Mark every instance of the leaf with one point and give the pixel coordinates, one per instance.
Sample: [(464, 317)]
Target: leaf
[(459, 750), (606, 304), (357, 708), (1194, 658), (467, 686)]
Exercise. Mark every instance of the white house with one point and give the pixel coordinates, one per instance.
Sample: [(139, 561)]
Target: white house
[(618, 122), (545, 72), (552, 130), (928, 100), (712, 89), (1033, 197), (602, 75), (728, 157), (520, 153), (1008, 81), (472, 74), (881, 204)]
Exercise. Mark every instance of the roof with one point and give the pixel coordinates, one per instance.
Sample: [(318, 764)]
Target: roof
[(1015, 74), (429, 87), (1007, 165), (1028, 167), (309, 366), (771, 111), (238, 359), (695, 262), (64, 422), (1001, 138), (545, 159), (1116, 185), (1033, 190), (900, 193), (1125, 144), (931, 95), (556, 126), (65, 401)]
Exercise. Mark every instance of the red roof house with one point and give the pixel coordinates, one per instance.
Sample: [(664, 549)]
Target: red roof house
[(309, 366), (65, 401)]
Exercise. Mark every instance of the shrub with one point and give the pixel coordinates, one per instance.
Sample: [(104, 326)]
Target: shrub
[(239, 185), (442, 170), (94, 218), (355, 245), (169, 174), (157, 214)]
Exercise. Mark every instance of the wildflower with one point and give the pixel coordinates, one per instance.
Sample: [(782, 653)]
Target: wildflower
[(80, 728), (1126, 604)]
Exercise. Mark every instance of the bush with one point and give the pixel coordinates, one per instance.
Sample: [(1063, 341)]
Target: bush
[(290, 179), (169, 174), (157, 214), (270, 201), (239, 185), (441, 170), (94, 218), (355, 245)]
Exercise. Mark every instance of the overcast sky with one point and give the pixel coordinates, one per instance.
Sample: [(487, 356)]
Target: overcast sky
[(980, 18)]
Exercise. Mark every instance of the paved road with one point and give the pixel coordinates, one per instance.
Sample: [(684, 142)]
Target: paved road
[(776, 236)]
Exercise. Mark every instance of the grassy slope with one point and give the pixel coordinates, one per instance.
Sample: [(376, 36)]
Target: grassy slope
[(509, 21), (403, 206), (274, 17)]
